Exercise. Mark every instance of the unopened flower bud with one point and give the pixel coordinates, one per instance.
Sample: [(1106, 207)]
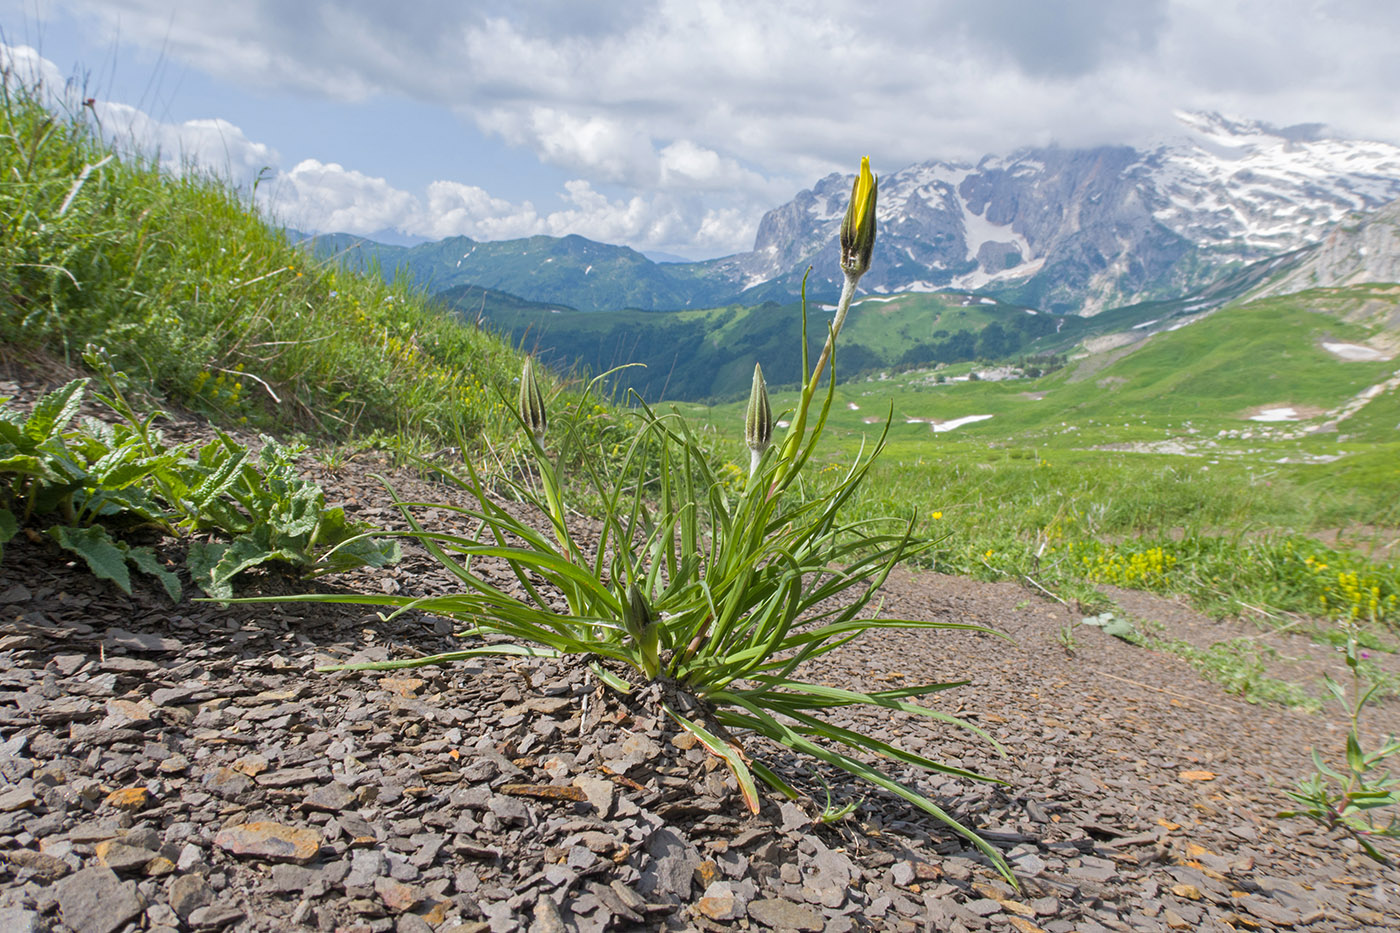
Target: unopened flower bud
[(758, 419), (858, 227), (532, 401), (637, 619), (636, 615)]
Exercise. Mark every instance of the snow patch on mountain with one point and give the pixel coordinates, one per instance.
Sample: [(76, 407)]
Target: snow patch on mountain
[(1270, 189)]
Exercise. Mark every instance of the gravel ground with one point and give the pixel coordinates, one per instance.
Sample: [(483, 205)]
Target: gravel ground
[(183, 768)]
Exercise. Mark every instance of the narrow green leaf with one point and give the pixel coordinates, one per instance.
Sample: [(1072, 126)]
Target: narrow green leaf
[(731, 755)]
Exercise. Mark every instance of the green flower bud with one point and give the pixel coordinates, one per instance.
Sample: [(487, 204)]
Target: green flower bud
[(636, 615), (637, 619), (858, 227), (758, 419), (532, 401)]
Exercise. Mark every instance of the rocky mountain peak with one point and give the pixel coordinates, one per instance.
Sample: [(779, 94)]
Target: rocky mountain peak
[(1085, 229)]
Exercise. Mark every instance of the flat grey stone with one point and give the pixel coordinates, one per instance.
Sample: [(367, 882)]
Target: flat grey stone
[(140, 641), (187, 894), (286, 777), (598, 791), (1028, 864), (1272, 911), (330, 798), (785, 915), (903, 873), (508, 809), (365, 866), (17, 798), (673, 864), (41, 866), (119, 856), (547, 918), (982, 907), (794, 817), (16, 920), (214, 916), (721, 902), (94, 900)]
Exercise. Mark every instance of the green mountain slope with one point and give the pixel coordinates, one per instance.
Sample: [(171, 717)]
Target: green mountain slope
[(1318, 353), (711, 353), (571, 270)]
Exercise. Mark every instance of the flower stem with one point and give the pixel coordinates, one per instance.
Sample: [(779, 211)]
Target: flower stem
[(799, 421)]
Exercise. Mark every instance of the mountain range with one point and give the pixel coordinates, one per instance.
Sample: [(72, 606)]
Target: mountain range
[(1057, 229)]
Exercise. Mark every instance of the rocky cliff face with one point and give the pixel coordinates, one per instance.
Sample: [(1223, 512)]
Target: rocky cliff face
[(1362, 249), (1085, 229)]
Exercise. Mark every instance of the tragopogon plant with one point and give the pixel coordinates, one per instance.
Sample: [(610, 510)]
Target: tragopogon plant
[(715, 599)]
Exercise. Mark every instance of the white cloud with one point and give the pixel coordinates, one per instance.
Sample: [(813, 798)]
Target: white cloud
[(210, 145), (213, 146), (24, 64), (329, 197)]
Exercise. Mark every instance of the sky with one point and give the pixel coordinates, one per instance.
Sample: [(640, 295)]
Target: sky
[(670, 126)]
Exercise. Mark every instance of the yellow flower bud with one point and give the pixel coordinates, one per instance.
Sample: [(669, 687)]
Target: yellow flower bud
[(858, 227)]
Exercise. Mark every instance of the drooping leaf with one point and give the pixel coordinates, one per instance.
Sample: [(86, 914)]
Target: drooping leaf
[(201, 560), (146, 561), (243, 553), (96, 548)]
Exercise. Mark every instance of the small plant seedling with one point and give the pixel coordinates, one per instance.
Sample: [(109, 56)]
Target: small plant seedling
[(1066, 638), (832, 813), (87, 484), (1113, 625)]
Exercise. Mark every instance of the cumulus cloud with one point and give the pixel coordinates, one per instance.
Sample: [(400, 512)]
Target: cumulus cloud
[(209, 145), (326, 196), (329, 197), (213, 146), (24, 64)]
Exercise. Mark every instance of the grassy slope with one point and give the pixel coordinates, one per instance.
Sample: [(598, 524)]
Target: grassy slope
[(189, 289)]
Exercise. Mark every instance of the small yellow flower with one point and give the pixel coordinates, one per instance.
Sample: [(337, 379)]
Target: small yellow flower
[(937, 514)]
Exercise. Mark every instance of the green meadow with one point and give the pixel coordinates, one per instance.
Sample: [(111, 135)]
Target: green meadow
[(1141, 466)]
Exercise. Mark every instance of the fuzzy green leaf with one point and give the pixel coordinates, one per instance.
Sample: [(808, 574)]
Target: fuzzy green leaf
[(96, 548), (53, 412), (146, 561)]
